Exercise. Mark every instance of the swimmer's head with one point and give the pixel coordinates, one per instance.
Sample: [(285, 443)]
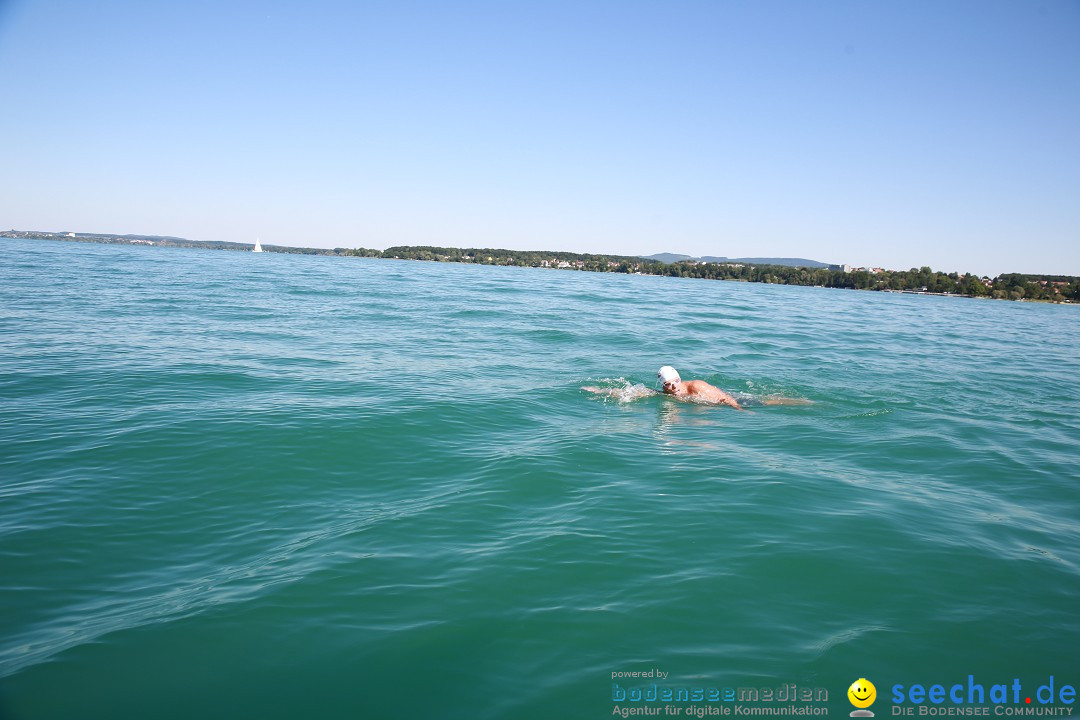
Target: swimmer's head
[(669, 376)]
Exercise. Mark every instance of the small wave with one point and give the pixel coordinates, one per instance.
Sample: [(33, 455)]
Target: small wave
[(866, 414), (550, 336)]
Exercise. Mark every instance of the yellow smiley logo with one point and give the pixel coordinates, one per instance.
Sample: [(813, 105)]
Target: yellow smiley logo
[(862, 693)]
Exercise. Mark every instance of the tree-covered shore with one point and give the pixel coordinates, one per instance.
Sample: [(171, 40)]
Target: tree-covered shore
[(1008, 286)]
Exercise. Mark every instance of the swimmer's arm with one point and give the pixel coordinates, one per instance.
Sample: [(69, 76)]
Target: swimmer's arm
[(725, 398)]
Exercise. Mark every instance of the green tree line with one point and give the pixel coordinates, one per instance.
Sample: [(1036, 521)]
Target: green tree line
[(1010, 286)]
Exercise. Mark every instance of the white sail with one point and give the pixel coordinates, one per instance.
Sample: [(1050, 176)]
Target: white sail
[(258, 246)]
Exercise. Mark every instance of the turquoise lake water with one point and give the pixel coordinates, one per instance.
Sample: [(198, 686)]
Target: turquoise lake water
[(278, 486)]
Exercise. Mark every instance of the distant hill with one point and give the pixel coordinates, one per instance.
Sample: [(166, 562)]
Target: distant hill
[(667, 257), (787, 262)]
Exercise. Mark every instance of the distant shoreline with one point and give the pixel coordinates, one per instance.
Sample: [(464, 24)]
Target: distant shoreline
[(1058, 289)]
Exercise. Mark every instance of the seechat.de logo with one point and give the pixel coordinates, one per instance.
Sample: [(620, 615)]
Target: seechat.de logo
[(862, 695)]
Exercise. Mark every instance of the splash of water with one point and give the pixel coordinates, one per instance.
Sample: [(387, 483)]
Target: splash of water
[(620, 390)]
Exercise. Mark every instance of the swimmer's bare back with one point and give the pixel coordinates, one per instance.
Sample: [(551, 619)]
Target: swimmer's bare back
[(702, 391)]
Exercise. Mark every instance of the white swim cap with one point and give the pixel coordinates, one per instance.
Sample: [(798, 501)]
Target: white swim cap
[(668, 374)]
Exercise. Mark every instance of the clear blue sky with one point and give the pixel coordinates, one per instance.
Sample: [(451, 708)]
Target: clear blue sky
[(893, 134)]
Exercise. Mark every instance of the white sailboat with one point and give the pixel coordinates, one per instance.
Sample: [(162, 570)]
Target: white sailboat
[(258, 246)]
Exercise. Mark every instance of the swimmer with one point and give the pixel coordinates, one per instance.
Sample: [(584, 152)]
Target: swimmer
[(692, 390), (697, 390), (701, 391)]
